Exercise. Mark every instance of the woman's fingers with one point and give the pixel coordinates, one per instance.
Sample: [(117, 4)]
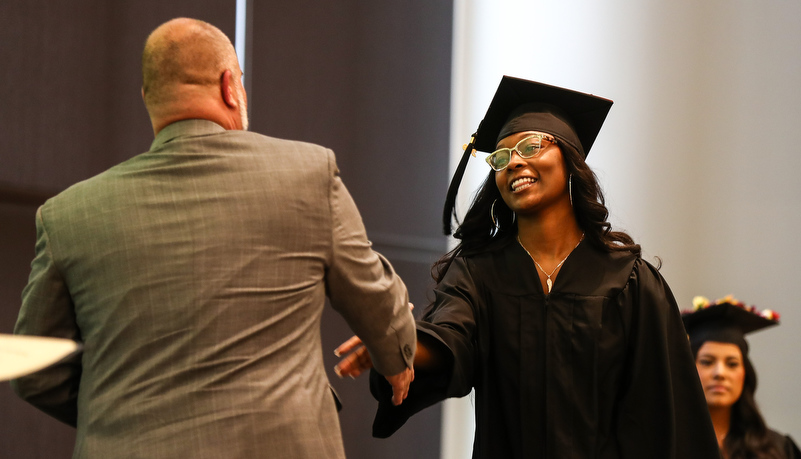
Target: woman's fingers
[(348, 346), (355, 363)]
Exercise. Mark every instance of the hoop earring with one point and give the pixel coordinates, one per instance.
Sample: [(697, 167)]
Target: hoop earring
[(570, 188), (492, 216)]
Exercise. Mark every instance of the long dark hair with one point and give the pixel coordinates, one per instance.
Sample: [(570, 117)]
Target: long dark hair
[(748, 434), (477, 232)]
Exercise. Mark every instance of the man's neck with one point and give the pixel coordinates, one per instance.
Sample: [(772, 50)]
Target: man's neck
[(194, 104)]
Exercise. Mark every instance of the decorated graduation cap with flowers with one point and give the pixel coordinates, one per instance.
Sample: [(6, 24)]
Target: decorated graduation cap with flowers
[(726, 320)]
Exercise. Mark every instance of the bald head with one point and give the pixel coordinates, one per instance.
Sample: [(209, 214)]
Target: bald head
[(183, 65)]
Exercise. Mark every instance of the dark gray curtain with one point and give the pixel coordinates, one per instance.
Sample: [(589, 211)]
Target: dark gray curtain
[(372, 81), (369, 79)]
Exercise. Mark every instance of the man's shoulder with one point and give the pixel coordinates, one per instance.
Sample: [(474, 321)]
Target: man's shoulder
[(205, 135), (79, 193), (232, 142), (274, 142)]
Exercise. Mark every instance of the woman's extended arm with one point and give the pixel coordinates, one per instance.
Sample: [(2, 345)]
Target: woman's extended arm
[(356, 359)]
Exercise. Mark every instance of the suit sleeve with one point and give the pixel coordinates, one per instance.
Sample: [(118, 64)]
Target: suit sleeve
[(47, 310), (449, 329), (364, 288), (662, 412)]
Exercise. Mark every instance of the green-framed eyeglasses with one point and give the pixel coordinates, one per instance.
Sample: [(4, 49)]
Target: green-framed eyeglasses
[(529, 147)]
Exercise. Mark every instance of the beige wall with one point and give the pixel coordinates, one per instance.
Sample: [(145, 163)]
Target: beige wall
[(699, 157)]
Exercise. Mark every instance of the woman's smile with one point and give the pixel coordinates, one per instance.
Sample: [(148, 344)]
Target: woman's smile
[(522, 183)]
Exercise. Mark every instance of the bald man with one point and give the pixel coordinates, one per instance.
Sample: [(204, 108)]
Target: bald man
[(195, 276)]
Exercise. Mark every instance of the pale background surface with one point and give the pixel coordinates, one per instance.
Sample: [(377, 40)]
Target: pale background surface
[(698, 157)]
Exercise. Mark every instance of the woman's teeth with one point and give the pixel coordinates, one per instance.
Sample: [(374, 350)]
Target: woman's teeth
[(522, 183)]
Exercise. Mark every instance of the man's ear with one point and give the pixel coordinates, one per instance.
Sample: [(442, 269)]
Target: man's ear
[(228, 95)]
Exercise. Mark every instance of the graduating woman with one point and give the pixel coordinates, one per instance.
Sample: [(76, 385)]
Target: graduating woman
[(717, 338), (573, 343)]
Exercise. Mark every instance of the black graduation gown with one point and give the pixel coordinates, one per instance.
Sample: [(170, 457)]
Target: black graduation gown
[(599, 368), (785, 444)]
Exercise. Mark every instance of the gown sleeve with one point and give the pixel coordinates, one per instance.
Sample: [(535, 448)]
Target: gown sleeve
[(662, 412), (448, 329), (791, 449)]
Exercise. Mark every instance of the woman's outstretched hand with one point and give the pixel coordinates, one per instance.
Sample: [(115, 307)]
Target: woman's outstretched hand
[(357, 360)]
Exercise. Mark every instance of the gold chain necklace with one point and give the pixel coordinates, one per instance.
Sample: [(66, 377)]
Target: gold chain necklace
[(548, 281)]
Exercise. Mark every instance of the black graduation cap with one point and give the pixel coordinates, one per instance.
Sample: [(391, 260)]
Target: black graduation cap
[(572, 117), (726, 321)]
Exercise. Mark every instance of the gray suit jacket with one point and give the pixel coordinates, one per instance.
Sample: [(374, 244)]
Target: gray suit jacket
[(195, 275)]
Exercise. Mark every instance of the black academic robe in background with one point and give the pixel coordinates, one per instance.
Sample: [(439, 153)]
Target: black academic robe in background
[(599, 368), (785, 444)]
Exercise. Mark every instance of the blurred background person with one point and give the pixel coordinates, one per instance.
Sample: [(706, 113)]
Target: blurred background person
[(717, 337)]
